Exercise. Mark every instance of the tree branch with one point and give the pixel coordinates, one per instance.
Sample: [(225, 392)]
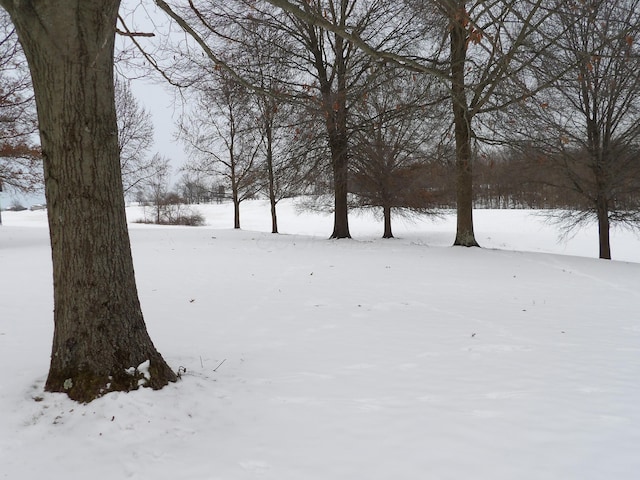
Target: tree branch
[(133, 34)]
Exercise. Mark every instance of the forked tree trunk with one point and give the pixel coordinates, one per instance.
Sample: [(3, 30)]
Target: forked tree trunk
[(99, 331), (334, 107), (336, 111), (339, 144), (462, 127)]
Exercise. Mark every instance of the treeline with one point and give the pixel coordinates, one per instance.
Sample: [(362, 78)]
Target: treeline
[(408, 105), (414, 105), (504, 180)]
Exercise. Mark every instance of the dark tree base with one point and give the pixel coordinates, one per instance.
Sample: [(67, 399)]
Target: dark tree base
[(465, 240), (84, 385)]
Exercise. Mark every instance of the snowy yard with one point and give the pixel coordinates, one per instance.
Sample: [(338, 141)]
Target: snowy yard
[(305, 358)]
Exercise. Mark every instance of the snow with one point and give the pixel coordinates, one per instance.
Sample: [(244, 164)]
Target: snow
[(307, 358)]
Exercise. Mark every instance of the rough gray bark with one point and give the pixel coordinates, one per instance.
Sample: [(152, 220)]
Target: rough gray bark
[(462, 126), (334, 107), (339, 162), (99, 328), (270, 174)]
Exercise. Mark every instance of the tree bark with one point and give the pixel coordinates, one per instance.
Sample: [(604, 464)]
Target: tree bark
[(334, 108), (340, 166), (99, 330), (387, 222), (603, 227), (235, 196), (236, 208), (462, 127), (236, 212), (271, 178), (339, 139)]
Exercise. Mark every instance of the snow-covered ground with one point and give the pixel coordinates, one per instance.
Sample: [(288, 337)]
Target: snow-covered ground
[(306, 358)]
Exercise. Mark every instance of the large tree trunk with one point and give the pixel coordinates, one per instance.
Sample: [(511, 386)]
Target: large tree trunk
[(462, 126), (334, 108), (339, 140), (340, 178), (99, 329)]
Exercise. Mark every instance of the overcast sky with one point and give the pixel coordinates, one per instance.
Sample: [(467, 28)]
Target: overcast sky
[(156, 99), (153, 96)]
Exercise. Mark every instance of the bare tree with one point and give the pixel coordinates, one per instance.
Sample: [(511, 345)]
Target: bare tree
[(221, 133), (329, 72), (135, 137), (99, 331), (155, 189), (491, 47), (588, 124), (195, 188), (289, 142), (20, 157), (291, 150), (399, 129), (340, 74), (481, 50)]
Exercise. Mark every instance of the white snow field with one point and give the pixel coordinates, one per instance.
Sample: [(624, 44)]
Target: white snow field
[(371, 359)]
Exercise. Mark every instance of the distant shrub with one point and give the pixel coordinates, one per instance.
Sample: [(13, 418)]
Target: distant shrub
[(172, 214), (191, 220), (16, 208)]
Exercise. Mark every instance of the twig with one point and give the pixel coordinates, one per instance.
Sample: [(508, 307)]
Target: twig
[(134, 34), (215, 369)]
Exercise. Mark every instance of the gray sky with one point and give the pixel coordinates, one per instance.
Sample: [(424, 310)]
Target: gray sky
[(156, 99), (153, 95)]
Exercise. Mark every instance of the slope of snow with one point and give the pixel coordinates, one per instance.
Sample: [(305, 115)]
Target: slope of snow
[(306, 358)]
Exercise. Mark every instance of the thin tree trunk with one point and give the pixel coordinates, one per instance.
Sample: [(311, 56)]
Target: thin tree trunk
[(236, 210), (272, 183), (603, 228), (600, 155), (235, 196), (462, 126), (387, 222), (99, 331), (274, 216)]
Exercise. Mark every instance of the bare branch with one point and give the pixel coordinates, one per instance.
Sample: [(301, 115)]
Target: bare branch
[(133, 34)]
